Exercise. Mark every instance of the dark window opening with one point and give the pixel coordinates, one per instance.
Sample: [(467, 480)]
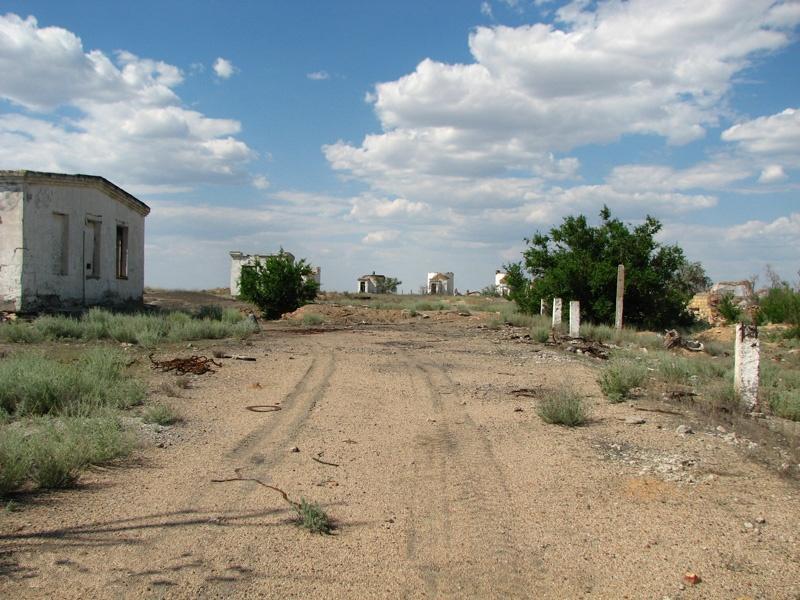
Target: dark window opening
[(122, 252)]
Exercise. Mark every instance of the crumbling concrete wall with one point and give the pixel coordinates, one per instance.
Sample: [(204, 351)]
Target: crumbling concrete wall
[(11, 246), (60, 245), (705, 306), (65, 221)]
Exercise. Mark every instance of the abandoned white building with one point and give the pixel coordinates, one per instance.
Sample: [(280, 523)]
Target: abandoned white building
[(371, 284), (441, 283), (501, 283), (240, 259), (68, 240)]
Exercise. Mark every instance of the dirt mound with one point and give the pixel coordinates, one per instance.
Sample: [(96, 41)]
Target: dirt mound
[(339, 314)]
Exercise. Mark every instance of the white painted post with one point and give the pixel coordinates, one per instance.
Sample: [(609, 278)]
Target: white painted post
[(574, 319), (556, 312), (620, 294), (542, 307), (745, 366)]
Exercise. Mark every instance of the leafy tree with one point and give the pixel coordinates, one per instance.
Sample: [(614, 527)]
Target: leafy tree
[(278, 285), (490, 291), (579, 262), (389, 285), (693, 275)]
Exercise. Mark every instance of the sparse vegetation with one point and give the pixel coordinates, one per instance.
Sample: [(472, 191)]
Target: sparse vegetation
[(147, 330), (620, 377), (60, 417), (313, 319), (310, 516), (159, 414), (31, 384), (563, 407)]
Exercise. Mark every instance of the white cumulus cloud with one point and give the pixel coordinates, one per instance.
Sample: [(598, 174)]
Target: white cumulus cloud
[(318, 75), (534, 93), (126, 121), (224, 68)]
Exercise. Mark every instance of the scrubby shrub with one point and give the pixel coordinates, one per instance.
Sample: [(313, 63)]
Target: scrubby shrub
[(313, 319), (621, 376), (563, 407), (540, 334), (31, 384), (159, 414), (209, 311), (728, 309), (14, 460)]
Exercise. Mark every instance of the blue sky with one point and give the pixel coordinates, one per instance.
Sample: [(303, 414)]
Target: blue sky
[(417, 136)]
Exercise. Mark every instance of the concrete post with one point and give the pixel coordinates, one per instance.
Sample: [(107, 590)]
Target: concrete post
[(542, 307), (574, 319), (745, 366), (620, 294), (556, 312)]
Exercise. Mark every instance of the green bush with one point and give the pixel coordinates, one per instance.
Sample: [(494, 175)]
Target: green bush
[(578, 261), (620, 376), (278, 285), (728, 309), (781, 305), (563, 407)]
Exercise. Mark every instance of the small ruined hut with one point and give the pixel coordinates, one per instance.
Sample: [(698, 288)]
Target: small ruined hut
[(68, 241), (441, 284), (501, 283), (240, 260), (371, 284)]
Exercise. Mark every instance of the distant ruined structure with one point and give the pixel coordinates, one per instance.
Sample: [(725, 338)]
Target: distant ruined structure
[(704, 306), (441, 284)]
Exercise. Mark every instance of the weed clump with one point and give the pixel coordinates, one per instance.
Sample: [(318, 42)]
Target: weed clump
[(620, 377), (310, 516), (313, 319), (160, 414), (563, 407)]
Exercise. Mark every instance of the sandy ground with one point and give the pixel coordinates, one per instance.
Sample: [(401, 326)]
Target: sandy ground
[(447, 485)]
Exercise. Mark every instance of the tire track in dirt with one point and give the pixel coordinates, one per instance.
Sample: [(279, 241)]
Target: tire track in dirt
[(277, 433), (461, 525), (297, 406)]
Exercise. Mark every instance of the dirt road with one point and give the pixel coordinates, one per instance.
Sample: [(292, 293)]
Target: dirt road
[(447, 485)]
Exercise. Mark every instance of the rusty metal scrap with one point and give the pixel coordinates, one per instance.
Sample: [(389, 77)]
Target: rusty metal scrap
[(196, 365)]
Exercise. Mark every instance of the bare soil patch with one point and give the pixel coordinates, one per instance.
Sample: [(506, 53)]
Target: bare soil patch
[(420, 438)]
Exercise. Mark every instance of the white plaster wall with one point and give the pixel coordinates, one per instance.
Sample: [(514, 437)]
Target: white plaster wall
[(41, 282), (236, 273), (10, 246)]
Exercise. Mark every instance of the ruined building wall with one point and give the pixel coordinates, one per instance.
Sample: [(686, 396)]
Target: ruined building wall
[(10, 246), (71, 234)]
